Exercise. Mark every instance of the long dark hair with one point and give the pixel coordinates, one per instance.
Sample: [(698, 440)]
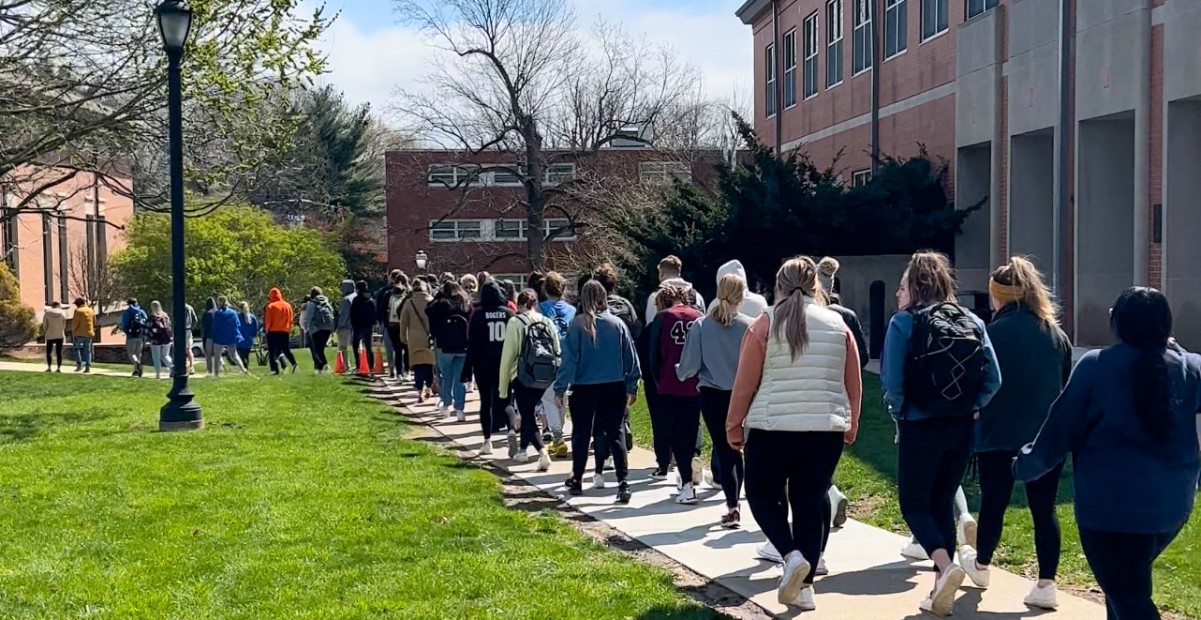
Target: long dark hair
[(453, 293), (1142, 318)]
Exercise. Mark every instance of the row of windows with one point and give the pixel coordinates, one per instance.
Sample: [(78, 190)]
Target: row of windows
[(499, 175), (497, 230), (934, 21)]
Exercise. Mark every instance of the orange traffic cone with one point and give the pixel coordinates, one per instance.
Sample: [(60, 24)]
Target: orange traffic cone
[(340, 365), (379, 362), (364, 365)]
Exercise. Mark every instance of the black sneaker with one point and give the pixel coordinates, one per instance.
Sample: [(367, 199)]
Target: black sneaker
[(623, 493), (574, 487), (660, 473)]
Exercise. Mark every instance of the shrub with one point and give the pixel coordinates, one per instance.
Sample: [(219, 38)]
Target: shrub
[(17, 323)]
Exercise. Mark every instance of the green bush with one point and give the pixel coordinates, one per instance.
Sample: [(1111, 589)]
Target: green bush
[(17, 323)]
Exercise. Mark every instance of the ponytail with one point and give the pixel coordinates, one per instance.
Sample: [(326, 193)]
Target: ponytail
[(1019, 281), (730, 292), (796, 279)]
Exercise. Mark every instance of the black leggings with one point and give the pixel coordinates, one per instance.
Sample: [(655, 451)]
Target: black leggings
[(996, 489), (661, 430), (57, 345), (602, 407), (423, 376), (317, 343), (792, 470), (400, 350), (728, 461), (527, 400), (1122, 565), (492, 407), (278, 344), (681, 419), (931, 459)]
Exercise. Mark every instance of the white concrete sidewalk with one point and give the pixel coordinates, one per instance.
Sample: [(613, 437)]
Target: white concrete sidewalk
[(868, 577)]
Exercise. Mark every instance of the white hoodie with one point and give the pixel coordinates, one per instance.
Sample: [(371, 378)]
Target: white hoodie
[(680, 282), (753, 304)]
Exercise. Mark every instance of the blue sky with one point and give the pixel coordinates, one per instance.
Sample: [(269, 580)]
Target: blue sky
[(370, 55)]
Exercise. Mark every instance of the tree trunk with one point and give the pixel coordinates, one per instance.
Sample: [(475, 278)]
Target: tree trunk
[(535, 199)]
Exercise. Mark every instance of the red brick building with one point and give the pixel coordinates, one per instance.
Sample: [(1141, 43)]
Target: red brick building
[(467, 213), (977, 83)]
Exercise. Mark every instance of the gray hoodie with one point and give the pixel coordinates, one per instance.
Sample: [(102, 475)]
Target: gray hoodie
[(711, 351), (651, 312), (344, 306), (753, 304)]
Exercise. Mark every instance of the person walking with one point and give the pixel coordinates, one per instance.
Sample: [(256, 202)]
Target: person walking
[(401, 291), (227, 336), (606, 275), (249, 328), (414, 333), (277, 323), (160, 335), (83, 329), (206, 333), (449, 318), (795, 403), (54, 331), (676, 418), (362, 321), (711, 354), (133, 325), (389, 321), (529, 364), (1128, 416), (485, 345), (1035, 357), (190, 325), (303, 320), (344, 330), (938, 370), (321, 325), (670, 269), (753, 304), (560, 314), (601, 369)]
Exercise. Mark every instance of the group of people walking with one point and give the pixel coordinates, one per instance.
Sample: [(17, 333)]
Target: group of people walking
[(779, 390)]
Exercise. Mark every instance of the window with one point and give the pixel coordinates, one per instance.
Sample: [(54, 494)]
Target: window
[(662, 172), (862, 40), (859, 178), (517, 230), (934, 18), (560, 227), (769, 61), (559, 173), (12, 252), (47, 257), (453, 176), (811, 55), (976, 7), (790, 69), (896, 20), (63, 260), (456, 230), (833, 42), (506, 175), (509, 230)]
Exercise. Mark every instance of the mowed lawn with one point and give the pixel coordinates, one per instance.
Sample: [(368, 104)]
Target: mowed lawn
[(302, 499), (867, 474)]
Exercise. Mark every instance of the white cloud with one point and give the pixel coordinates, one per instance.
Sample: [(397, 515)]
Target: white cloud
[(369, 62)]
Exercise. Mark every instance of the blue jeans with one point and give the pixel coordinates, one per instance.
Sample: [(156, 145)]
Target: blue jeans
[(83, 352), (450, 366)]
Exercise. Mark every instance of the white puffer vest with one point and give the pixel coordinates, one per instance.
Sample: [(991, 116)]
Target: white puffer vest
[(809, 394)]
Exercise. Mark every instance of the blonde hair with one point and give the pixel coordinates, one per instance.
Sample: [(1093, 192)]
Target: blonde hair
[(931, 279), (797, 275), (828, 266), (671, 266), (593, 301), (469, 283), (1022, 283), (731, 290), (670, 296)]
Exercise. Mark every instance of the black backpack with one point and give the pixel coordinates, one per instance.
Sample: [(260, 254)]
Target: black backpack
[(946, 367), (138, 325), (624, 310), (452, 338), (538, 363)]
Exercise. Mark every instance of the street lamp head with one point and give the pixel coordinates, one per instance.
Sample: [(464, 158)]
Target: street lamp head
[(422, 260), (174, 24)]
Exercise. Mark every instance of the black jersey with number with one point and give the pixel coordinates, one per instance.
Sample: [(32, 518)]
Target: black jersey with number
[(486, 336)]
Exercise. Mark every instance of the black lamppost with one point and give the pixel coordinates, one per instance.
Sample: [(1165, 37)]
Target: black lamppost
[(422, 260), (181, 412)]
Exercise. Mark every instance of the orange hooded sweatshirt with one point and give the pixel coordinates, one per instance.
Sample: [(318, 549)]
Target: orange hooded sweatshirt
[(278, 317)]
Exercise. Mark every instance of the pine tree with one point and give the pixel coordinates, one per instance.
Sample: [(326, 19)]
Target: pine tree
[(17, 324)]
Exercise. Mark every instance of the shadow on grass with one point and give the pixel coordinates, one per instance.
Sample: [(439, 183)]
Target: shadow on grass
[(23, 427)]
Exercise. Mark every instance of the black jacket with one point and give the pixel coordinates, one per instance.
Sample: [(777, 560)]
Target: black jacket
[(382, 297), (1035, 365), (486, 336), (362, 313), (852, 320), (448, 325)]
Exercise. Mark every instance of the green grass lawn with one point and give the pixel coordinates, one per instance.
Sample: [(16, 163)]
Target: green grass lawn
[(867, 475), (301, 499)]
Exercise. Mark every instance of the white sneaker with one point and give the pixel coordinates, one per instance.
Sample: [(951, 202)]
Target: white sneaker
[(805, 601), (927, 605), (598, 481), (687, 495), (711, 480), (767, 551), (796, 568), (487, 448), (838, 507), (822, 570), (698, 470), (914, 551), (978, 574), (943, 599), (444, 410), (461, 416), (967, 530), (1043, 597), (521, 456), (543, 460)]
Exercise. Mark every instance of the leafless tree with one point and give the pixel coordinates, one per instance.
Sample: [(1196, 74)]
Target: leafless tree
[(91, 279), (515, 78)]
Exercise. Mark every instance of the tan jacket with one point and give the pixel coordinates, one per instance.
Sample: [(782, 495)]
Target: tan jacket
[(83, 323), (414, 330), (54, 324)]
